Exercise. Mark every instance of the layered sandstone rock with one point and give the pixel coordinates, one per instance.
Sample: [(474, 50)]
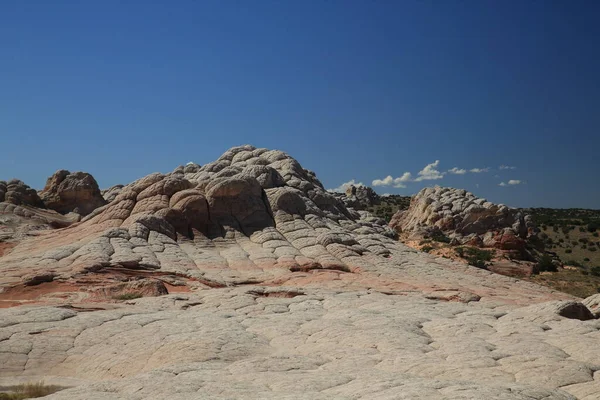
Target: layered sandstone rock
[(18, 193), (112, 192), (72, 192), (361, 197), (466, 219), (288, 294)]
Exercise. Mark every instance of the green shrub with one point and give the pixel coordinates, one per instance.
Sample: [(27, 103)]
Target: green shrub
[(595, 271), (595, 234), (128, 296), (592, 227), (426, 249), (568, 251), (586, 259), (574, 263), (29, 391), (545, 264), (476, 257), (591, 248), (440, 237)]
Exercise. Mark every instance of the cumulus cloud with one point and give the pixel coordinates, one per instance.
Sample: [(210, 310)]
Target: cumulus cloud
[(457, 171), (430, 172), (506, 167), (342, 188), (511, 182), (398, 182), (387, 181)]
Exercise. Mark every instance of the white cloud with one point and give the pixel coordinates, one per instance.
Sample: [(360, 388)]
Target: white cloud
[(342, 188), (506, 167), (457, 171), (477, 185), (387, 181), (391, 181), (511, 182), (430, 172)]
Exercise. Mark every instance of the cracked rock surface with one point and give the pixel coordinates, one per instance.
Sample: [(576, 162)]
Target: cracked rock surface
[(275, 290), (268, 343)]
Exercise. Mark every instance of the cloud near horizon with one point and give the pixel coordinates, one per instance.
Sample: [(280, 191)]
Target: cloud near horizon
[(342, 188), (398, 182), (511, 182), (506, 167), (457, 171), (429, 173)]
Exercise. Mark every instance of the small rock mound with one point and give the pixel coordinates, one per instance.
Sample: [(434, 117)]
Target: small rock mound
[(18, 193), (360, 197), (72, 192), (466, 219)]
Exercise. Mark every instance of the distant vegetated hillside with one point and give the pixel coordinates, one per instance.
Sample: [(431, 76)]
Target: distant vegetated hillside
[(573, 235), (389, 205)]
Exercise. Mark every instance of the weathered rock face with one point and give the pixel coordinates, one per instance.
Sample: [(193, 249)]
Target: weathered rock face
[(112, 192), (293, 296), (72, 192), (465, 218), (358, 197), (260, 205), (18, 193)]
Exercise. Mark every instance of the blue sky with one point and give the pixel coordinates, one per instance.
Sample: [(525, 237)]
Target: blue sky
[(357, 90)]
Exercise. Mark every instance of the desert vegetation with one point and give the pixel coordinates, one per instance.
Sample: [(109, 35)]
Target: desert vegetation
[(28, 391), (389, 205)]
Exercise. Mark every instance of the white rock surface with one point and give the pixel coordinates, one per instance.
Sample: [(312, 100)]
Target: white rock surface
[(293, 297)]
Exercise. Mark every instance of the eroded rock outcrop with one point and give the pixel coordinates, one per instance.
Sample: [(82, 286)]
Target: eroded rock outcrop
[(18, 193), (112, 192), (465, 219), (276, 290), (72, 192), (250, 212)]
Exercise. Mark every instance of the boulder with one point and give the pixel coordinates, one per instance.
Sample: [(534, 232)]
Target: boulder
[(18, 193), (72, 192)]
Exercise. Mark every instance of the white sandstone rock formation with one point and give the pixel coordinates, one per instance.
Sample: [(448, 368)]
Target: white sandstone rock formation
[(289, 295)]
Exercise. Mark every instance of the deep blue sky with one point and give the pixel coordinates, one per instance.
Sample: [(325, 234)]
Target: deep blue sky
[(352, 89)]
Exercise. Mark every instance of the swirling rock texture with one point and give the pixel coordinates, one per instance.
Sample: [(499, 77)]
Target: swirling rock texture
[(466, 219), (275, 290), (72, 192)]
